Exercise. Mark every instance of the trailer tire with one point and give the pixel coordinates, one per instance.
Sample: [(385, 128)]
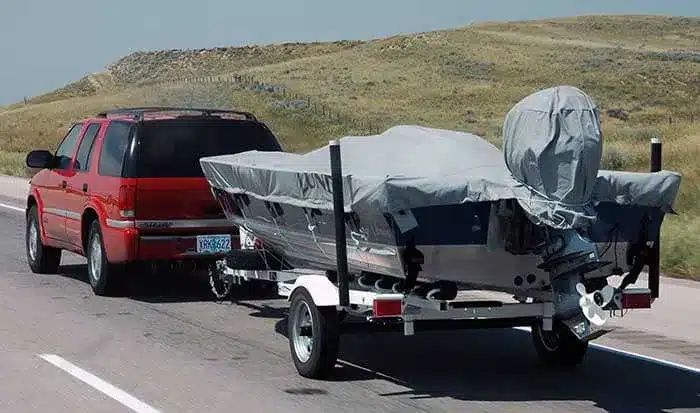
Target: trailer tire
[(558, 348), (314, 357)]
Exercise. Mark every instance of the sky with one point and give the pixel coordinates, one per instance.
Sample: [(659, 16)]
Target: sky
[(45, 44)]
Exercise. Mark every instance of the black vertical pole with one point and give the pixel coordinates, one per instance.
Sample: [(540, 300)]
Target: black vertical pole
[(339, 218), (654, 259)]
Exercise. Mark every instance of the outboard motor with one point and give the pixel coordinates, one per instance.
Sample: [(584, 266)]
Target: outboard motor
[(553, 146)]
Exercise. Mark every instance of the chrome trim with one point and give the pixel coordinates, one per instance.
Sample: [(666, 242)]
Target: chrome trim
[(54, 211), (182, 223), (62, 213), (117, 223), (148, 224)]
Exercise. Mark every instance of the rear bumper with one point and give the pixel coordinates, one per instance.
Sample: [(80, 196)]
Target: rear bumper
[(175, 247), (126, 245)]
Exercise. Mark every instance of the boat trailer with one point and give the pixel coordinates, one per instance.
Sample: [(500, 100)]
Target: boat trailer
[(324, 305)]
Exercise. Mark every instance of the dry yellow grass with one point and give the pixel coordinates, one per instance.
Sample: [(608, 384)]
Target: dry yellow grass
[(462, 79)]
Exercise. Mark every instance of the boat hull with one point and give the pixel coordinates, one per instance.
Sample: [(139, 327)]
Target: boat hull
[(452, 238)]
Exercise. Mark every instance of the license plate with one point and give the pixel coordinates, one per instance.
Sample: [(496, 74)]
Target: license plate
[(211, 244)]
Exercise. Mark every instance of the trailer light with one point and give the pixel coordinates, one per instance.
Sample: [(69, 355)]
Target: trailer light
[(386, 307), (636, 298)]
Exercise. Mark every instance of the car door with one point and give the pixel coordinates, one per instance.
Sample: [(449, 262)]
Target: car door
[(51, 188), (77, 188)]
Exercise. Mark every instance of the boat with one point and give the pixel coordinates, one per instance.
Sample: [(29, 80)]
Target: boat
[(478, 217), (429, 212)]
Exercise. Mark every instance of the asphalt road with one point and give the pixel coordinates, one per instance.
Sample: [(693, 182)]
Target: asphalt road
[(169, 348)]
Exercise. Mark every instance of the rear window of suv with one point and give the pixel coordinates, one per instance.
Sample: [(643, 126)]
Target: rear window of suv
[(172, 148)]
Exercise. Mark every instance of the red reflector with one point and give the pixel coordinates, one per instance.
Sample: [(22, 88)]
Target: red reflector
[(636, 298), (386, 307)]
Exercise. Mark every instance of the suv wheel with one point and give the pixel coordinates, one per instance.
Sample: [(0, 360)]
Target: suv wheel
[(41, 258), (103, 275)]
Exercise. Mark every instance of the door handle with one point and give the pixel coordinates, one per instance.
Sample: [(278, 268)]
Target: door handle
[(84, 187), (64, 184)]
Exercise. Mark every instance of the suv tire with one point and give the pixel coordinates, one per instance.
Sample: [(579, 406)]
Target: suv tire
[(103, 276), (41, 258)]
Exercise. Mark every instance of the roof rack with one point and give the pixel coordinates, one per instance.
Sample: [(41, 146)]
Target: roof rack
[(140, 111)]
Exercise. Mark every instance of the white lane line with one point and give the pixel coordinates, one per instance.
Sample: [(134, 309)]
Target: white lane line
[(638, 356), (634, 355), (12, 207), (114, 392)]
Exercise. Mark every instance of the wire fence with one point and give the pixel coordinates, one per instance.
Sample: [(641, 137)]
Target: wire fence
[(286, 99), (283, 99)]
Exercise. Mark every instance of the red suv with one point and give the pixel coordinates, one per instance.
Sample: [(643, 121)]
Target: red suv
[(126, 187)]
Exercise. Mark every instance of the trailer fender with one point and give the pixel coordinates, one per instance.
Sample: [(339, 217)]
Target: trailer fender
[(322, 290)]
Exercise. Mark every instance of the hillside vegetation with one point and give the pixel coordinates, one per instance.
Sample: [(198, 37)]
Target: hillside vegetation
[(643, 71)]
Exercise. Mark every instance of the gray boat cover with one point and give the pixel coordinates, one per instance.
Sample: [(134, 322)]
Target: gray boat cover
[(550, 164)]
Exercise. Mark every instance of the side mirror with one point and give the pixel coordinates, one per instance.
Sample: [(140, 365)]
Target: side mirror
[(40, 159)]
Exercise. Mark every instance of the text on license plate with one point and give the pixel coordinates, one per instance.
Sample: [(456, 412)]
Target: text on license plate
[(213, 243)]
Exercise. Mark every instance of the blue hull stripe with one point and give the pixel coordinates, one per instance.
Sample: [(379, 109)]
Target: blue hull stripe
[(463, 224)]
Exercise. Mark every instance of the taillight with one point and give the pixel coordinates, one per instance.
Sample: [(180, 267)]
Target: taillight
[(127, 201), (387, 307), (636, 298)]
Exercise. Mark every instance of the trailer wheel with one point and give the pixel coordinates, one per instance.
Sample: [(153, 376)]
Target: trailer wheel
[(313, 336), (558, 348)]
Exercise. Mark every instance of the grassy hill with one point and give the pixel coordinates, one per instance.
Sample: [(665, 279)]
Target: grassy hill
[(644, 71)]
